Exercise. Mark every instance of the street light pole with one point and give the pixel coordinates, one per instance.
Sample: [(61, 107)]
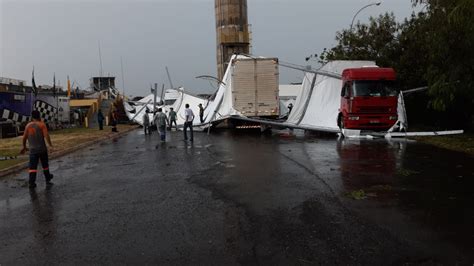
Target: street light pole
[(364, 7)]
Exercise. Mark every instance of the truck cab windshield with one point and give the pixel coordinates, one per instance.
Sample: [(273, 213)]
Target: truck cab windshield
[(374, 88)]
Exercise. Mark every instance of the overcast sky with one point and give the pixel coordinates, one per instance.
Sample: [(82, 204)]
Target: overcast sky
[(62, 37)]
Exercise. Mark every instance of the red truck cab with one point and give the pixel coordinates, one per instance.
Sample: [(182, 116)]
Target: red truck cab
[(369, 99)]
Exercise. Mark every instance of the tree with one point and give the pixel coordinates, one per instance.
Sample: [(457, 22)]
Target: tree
[(432, 48), (450, 38), (375, 41)]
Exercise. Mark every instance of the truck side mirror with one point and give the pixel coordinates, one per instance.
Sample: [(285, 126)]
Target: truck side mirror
[(346, 90)]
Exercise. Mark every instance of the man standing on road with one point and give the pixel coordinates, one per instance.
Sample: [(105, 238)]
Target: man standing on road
[(100, 119), (189, 116), (160, 122), (201, 113), (114, 121), (36, 132), (172, 118), (146, 122)]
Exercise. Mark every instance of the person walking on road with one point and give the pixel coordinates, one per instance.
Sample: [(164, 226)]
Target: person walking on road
[(36, 133), (189, 117), (100, 119), (172, 118), (201, 113), (160, 121), (146, 122)]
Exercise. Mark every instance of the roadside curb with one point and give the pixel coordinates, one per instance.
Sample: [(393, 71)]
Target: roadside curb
[(21, 166)]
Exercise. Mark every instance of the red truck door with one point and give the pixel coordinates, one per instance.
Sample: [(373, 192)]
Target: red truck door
[(345, 102)]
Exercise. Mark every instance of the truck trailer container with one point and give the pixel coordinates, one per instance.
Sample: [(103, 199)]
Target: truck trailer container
[(255, 83)]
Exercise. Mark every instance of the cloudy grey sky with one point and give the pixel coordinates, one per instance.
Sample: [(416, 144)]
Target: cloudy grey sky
[(62, 36)]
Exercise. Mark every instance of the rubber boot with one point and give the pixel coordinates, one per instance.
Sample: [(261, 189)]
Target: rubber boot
[(48, 176), (32, 180)]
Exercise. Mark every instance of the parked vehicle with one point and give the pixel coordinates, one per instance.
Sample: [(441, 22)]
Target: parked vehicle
[(369, 98), (255, 83)]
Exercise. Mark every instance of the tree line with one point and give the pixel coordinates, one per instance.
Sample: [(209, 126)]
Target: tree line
[(434, 47)]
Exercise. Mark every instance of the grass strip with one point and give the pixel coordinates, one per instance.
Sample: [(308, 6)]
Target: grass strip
[(462, 143), (62, 140)]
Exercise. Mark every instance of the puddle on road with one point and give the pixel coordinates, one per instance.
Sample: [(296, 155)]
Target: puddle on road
[(12, 203), (429, 186)]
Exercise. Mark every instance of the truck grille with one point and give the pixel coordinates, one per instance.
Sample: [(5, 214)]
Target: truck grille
[(374, 109)]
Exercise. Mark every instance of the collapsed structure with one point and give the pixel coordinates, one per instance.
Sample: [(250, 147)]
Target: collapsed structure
[(319, 103), (317, 107), (249, 89), (173, 98)]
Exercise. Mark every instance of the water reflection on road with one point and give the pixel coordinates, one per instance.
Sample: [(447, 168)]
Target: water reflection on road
[(271, 196), (44, 221), (356, 164), (411, 187)]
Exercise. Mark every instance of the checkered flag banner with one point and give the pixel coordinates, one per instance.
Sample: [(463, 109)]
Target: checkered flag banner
[(15, 117), (47, 111)]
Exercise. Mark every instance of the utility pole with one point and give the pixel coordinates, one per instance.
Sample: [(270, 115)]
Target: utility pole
[(169, 78), (100, 60), (162, 97), (357, 13), (123, 79), (154, 99)]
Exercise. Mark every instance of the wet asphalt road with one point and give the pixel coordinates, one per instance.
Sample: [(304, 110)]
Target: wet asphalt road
[(242, 198)]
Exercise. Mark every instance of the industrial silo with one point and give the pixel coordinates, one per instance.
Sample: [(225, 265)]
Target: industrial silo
[(232, 30)]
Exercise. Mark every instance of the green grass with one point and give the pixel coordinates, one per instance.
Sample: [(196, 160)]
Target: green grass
[(72, 130), (10, 152), (462, 143), (61, 139), (8, 163), (406, 172), (357, 194)]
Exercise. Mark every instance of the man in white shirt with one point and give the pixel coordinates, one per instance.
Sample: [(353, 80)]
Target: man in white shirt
[(189, 116)]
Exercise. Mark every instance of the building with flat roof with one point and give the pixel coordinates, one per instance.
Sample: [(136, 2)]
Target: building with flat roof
[(17, 101)]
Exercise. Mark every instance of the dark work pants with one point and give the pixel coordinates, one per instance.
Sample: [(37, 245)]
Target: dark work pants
[(33, 165), (101, 125), (162, 130), (114, 125), (171, 124), (186, 125), (201, 117)]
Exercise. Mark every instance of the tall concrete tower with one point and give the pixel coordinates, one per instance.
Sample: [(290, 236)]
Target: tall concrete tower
[(232, 30)]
